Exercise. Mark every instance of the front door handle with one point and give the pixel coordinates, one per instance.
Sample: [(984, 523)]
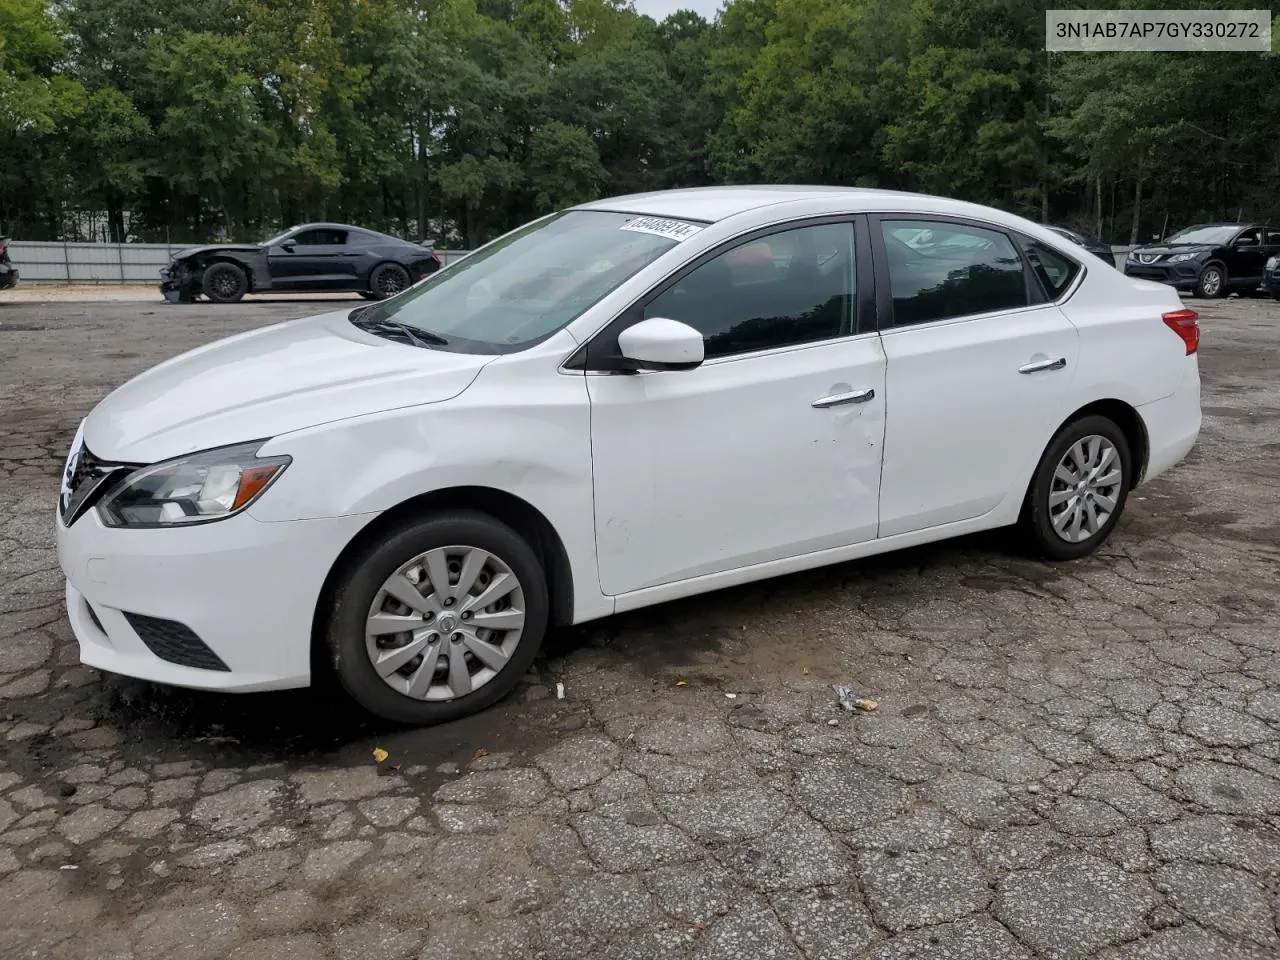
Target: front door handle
[(1038, 365), (836, 399)]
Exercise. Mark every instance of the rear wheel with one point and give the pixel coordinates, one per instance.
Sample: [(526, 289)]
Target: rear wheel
[(224, 283), (438, 620), (1079, 489), (367, 295), (387, 280), (1212, 283)]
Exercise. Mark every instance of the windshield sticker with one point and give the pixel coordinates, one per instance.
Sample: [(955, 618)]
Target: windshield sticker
[(676, 230)]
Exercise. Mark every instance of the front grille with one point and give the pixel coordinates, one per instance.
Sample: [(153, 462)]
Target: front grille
[(174, 642), (84, 479), (1148, 257)]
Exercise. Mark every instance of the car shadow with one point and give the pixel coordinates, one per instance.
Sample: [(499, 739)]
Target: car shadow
[(321, 725)]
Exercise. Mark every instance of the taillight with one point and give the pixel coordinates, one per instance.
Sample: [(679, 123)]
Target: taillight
[(1186, 324)]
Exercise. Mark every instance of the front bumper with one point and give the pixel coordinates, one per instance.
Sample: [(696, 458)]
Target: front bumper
[(219, 606), (178, 285), (8, 277), (1181, 275)]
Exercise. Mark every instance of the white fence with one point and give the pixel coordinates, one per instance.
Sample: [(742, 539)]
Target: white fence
[(105, 262), (134, 262)]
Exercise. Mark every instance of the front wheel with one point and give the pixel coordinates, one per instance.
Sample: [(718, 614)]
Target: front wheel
[(1212, 283), (438, 620), (1079, 489), (224, 283)]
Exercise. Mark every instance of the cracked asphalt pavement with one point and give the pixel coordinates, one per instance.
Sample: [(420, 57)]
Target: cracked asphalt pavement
[(1068, 761)]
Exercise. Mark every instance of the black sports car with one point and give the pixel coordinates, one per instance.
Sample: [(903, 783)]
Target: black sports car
[(313, 257), (1100, 250), (1209, 259)]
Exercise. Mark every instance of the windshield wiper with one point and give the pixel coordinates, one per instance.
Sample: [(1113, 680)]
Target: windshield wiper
[(419, 338)]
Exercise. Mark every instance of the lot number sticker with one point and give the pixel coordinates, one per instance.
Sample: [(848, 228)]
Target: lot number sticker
[(676, 230)]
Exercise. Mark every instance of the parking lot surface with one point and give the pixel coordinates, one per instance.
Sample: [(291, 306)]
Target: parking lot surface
[(1067, 761)]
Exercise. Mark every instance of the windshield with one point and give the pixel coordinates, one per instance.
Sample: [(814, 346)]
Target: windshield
[(1213, 235), (527, 285)]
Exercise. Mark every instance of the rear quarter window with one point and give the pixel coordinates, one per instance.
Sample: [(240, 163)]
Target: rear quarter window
[(1055, 271)]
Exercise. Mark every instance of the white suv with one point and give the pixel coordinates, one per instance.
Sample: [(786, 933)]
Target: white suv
[(630, 401)]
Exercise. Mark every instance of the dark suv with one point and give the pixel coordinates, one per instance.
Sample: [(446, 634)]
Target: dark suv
[(1209, 259)]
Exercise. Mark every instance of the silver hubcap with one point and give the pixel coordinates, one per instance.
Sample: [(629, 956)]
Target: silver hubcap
[(1212, 281), (445, 623), (1085, 489)]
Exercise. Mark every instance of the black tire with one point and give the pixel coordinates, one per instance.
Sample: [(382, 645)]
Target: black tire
[(366, 294), (224, 282), (1212, 283), (387, 280), (1038, 513), (362, 582)]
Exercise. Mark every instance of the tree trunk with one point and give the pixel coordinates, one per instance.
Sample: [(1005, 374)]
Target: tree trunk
[(115, 221), (1137, 212), (1097, 219), (473, 228)]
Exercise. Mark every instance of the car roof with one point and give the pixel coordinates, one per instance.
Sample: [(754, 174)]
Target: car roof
[(1237, 226), (710, 204), (332, 226)]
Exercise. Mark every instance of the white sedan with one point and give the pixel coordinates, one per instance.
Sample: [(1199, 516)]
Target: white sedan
[(631, 401)]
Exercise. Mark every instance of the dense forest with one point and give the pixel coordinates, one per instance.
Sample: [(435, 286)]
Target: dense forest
[(457, 119)]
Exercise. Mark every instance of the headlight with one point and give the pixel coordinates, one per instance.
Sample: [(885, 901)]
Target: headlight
[(199, 488), (1180, 257)]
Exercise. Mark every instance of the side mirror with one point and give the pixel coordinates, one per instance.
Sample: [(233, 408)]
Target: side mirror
[(287, 246), (662, 344), (1246, 242)]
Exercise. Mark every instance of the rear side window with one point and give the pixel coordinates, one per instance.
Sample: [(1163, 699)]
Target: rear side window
[(1054, 271), (940, 271)]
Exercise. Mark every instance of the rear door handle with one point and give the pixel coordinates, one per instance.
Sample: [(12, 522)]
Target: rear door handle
[(1038, 365), (836, 399)]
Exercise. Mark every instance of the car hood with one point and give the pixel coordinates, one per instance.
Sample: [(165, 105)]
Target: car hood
[(217, 248), (267, 382), (1164, 249)]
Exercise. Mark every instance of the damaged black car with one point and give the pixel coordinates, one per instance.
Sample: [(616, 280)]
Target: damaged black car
[(312, 258)]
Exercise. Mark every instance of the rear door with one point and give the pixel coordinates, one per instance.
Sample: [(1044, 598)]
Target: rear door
[(978, 366)]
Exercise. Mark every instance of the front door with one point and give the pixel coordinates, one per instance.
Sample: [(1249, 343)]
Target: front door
[(314, 258), (771, 448), (977, 374), (1248, 259)]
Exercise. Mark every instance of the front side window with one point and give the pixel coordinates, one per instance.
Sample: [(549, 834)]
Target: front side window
[(525, 286), (321, 237), (957, 271), (791, 287), (1250, 238)]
